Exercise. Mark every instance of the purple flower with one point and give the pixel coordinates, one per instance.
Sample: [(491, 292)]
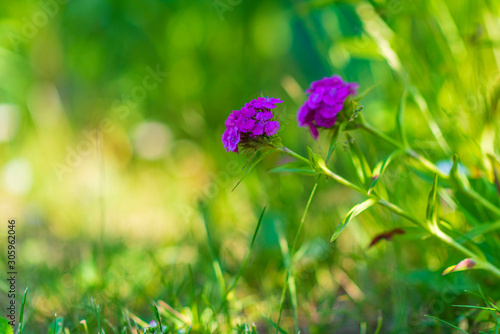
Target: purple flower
[(325, 101), (252, 124)]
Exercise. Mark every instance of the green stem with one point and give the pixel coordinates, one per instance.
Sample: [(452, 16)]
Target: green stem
[(333, 145), (292, 253), (431, 167), (343, 181), (400, 212), (293, 154), (433, 229), (408, 151)]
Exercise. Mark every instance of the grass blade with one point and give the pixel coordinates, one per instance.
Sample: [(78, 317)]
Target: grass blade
[(158, 319), (477, 307), (254, 161), (98, 314), (240, 272), (445, 322), (218, 271), (361, 166), (400, 119), (486, 300), (20, 328), (379, 323)]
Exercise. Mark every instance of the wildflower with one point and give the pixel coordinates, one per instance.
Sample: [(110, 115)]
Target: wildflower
[(252, 125), (325, 101)]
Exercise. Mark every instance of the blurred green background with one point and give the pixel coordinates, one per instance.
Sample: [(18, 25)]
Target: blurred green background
[(121, 218)]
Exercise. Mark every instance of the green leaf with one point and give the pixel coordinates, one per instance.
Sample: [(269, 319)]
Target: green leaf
[(431, 212), (356, 210), (157, 317), (380, 168), (20, 328), (361, 166), (482, 229), (57, 326), (400, 119), (317, 162), (486, 300), (297, 167), (476, 307), (379, 323), (445, 322), (337, 133), (257, 157), (458, 178), (5, 327)]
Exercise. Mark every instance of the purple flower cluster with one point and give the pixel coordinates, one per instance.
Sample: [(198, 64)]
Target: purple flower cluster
[(251, 122), (325, 101)]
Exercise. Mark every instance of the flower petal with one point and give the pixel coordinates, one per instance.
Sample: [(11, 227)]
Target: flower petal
[(264, 116), (230, 139), (270, 128), (258, 129)]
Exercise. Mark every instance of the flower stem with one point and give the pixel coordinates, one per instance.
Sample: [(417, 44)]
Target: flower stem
[(343, 181), (473, 195), (293, 154), (408, 151), (432, 228)]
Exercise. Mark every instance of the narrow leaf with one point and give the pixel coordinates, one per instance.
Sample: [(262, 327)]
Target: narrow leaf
[(365, 92), (431, 212), (445, 322), (249, 251), (356, 210), (361, 166), (495, 166), (20, 328), (482, 229), (465, 264), (297, 167), (337, 133), (486, 300), (380, 168), (477, 307), (254, 161), (457, 176), (158, 319), (400, 119), (379, 323)]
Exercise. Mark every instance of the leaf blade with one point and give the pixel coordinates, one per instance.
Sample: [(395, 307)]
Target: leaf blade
[(380, 168), (356, 210)]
